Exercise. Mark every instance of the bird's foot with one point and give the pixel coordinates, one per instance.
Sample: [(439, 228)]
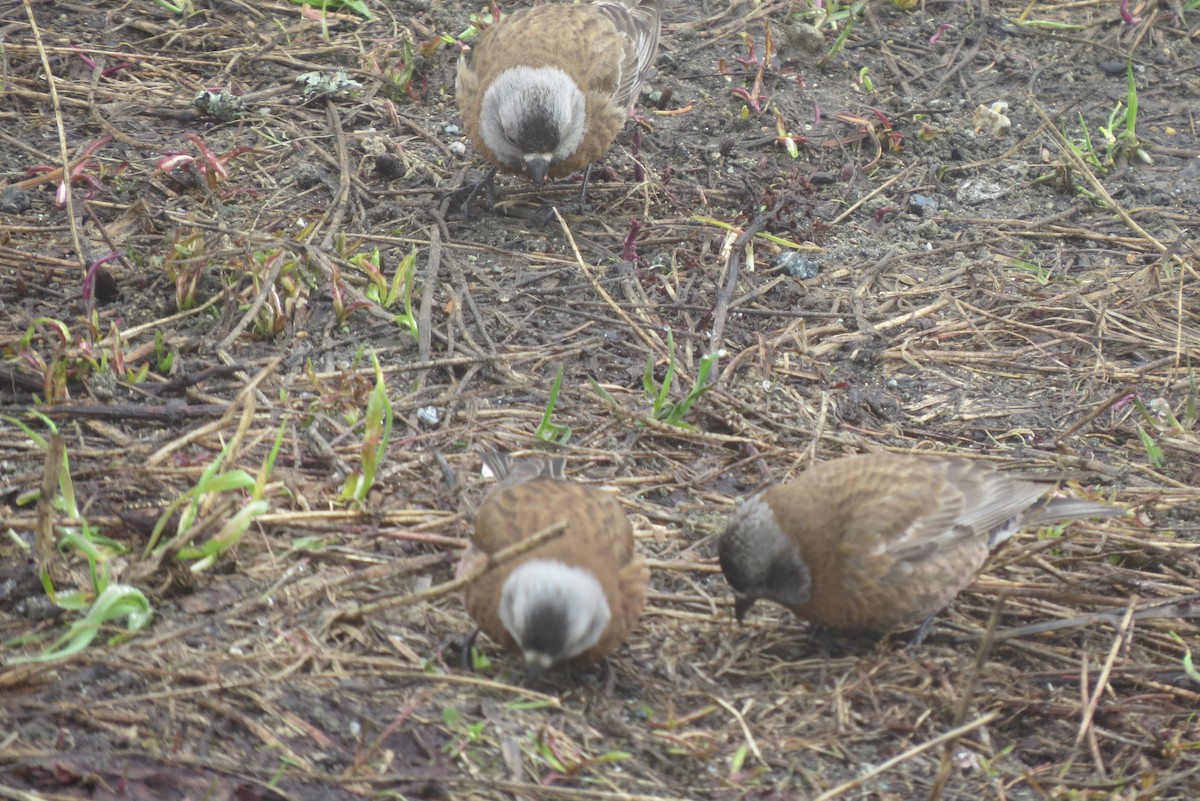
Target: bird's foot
[(465, 195), (921, 633), (599, 678), (545, 215), (468, 643)]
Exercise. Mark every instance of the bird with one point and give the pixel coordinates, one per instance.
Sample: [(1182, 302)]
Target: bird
[(572, 599), (872, 543), (546, 90)]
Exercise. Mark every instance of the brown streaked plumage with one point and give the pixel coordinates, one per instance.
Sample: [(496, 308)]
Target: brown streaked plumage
[(870, 543), (546, 90), (573, 599)]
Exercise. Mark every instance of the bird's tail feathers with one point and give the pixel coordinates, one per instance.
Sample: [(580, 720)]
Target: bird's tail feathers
[(510, 472), (1075, 509)]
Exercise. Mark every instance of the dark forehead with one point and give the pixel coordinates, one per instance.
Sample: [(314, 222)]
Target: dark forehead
[(545, 629)]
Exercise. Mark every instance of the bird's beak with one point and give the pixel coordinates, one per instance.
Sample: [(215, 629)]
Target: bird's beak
[(537, 165), (741, 605)]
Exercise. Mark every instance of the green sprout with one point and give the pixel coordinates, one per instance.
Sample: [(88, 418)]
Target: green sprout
[(399, 290), (78, 534), (661, 408), (1189, 666), (782, 136), (376, 436), (210, 487), (108, 601), (567, 760), (184, 8), (548, 431), (1039, 273), (402, 286), (840, 42), (1118, 135), (118, 601), (398, 79), (1126, 142), (864, 80), (1162, 423), (164, 358), (480, 662)]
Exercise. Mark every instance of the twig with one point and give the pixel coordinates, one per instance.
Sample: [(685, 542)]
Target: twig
[(541, 791), (732, 267), (342, 200), (425, 315), (964, 704), (867, 197), (68, 194), (602, 292), (1187, 606), (945, 737), (753, 746), (246, 396), (1102, 680), (264, 291)]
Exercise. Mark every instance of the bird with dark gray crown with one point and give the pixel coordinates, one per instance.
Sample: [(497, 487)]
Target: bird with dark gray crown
[(546, 90), (573, 599), (867, 544)]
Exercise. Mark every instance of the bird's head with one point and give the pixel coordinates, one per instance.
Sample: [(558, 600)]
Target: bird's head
[(554, 611), (760, 560), (532, 118)]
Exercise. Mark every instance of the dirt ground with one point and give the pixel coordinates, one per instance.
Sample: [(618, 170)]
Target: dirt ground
[(939, 234)]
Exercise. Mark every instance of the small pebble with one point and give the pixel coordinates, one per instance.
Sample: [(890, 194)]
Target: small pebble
[(922, 204), (797, 265), (973, 192), (14, 200)]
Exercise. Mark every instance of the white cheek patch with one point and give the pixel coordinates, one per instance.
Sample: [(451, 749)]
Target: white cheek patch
[(572, 590), (506, 105)]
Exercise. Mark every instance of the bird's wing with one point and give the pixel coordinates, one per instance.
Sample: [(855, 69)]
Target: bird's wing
[(639, 23), (909, 523), (993, 503)]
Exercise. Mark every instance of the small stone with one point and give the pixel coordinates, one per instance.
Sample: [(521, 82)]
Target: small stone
[(922, 205), (973, 192), (14, 200), (388, 166), (797, 265)]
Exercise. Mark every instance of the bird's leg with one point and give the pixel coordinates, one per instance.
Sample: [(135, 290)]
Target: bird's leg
[(580, 206), (468, 644), (610, 676), (922, 632), (587, 176)]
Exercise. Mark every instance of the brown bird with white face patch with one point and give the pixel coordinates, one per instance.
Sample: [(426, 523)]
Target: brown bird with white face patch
[(574, 598), (870, 543), (547, 89)]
